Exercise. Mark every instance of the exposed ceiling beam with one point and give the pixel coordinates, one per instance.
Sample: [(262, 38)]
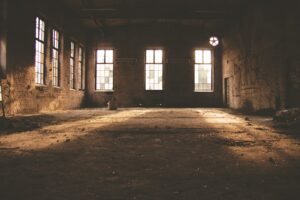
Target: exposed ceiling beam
[(112, 13)]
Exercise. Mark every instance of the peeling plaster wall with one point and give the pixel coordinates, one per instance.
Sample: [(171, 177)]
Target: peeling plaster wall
[(261, 58), (21, 95), (130, 43)]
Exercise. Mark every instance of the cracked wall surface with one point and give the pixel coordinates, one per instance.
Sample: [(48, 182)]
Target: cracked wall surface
[(261, 58)]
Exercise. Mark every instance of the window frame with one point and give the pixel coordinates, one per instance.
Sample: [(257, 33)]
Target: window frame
[(113, 64), (74, 66), (163, 68), (58, 49), (44, 42), (212, 68), (81, 73), (1, 91)]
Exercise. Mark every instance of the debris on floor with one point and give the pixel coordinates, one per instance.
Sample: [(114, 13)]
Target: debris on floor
[(148, 154), (289, 115)]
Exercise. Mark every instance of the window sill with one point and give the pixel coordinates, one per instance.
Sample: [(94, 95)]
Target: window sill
[(40, 85), (104, 91), (203, 91)]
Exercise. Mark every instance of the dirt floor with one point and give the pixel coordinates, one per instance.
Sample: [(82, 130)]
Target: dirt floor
[(147, 154)]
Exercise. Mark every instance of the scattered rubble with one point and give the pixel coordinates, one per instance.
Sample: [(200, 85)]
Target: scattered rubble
[(288, 115)]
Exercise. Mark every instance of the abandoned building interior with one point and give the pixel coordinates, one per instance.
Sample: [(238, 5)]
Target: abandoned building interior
[(149, 99)]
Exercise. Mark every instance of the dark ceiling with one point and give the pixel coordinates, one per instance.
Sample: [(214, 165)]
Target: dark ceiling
[(115, 13)]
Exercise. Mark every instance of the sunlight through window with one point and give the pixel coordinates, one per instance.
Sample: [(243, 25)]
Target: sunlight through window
[(104, 70), (214, 41), (72, 66), (39, 51), (203, 71), (154, 69), (55, 57)]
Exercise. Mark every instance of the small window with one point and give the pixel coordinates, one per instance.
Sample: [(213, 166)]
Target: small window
[(81, 69), (154, 69), (55, 57), (72, 66), (214, 41), (104, 70), (203, 71), (39, 51)]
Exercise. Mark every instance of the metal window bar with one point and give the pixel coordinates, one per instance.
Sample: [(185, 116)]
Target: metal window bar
[(104, 70), (203, 71), (55, 57), (80, 69), (39, 51), (154, 69), (72, 66)]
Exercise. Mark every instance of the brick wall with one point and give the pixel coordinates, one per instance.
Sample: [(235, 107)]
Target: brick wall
[(22, 95), (130, 43), (261, 58)]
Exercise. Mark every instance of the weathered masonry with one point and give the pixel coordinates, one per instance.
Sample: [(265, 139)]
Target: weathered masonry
[(72, 54)]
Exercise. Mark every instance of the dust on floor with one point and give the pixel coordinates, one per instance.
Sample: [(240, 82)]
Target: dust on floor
[(147, 154)]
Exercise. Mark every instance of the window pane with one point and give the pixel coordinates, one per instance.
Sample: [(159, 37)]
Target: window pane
[(158, 56), (42, 24), (55, 58), (80, 54), (203, 75), (81, 70), (207, 56), (149, 56), (154, 76), (39, 52), (37, 28), (104, 77), (203, 71), (100, 56), (55, 38), (72, 66), (199, 56), (104, 72), (72, 49), (109, 56)]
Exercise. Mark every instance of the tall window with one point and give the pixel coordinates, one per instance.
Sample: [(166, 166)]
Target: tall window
[(203, 71), (104, 70), (0, 92), (39, 51), (154, 69), (72, 66), (81, 71), (55, 57)]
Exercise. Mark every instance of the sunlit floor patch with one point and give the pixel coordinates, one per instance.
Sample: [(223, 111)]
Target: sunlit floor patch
[(56, 134), (147, 154)]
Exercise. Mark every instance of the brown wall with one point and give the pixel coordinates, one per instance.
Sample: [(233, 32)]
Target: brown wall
[(259, 55), (21, 93), (131, 42), (261, 58)]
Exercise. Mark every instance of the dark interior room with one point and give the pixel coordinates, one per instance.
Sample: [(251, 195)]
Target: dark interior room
[(149, 99)]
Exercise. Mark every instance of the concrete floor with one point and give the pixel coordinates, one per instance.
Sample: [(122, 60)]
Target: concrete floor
[(147, 154)]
